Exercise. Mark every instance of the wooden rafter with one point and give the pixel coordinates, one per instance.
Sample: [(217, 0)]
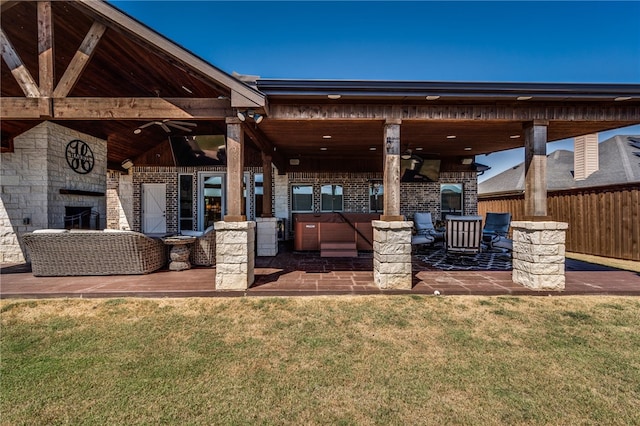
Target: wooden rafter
[(118, 108), (265, 145), (165, 47), (19, 71), (45, 48), (80, 60)]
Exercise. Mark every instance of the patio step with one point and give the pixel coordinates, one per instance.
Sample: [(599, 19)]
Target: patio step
[(338, 249)]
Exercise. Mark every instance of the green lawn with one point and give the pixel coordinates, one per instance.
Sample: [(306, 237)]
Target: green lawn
[(316, 360)]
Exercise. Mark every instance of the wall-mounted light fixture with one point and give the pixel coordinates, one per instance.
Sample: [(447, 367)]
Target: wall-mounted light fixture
[(127, 164), (242, 116), (467, 160)]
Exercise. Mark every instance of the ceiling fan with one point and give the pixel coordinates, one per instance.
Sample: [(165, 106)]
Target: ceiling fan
[(166, 125)]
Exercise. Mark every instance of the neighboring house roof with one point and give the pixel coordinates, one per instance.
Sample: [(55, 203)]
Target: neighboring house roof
[(619, 162)]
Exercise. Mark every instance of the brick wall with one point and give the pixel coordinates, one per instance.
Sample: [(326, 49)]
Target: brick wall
[(169, 177), (419, 196), (414, 196)]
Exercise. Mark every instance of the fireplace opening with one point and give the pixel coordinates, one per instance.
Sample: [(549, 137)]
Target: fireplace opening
[(80, 218)]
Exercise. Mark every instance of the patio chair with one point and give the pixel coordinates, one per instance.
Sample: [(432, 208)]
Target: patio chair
[(463, 237), (496, 230), (425, 231), (203, 252)]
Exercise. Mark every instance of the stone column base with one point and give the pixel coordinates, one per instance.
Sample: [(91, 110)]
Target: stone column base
[(539, 254), (392, 254), (267, 236), (235, 255)]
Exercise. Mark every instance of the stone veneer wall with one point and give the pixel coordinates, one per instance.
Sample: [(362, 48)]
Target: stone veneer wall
[(32, 177), (392, 254), (539, 254), (119, 200)]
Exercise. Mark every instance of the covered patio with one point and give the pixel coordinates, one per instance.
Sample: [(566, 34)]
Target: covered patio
[(130, 93)]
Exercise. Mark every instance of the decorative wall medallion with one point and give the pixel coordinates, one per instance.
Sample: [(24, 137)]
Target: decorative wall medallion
[(79, 156)]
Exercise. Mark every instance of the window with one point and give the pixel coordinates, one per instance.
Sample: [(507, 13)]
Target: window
[(185, 196), (331, 198), (450, 199), (376, 197), (302, 198)]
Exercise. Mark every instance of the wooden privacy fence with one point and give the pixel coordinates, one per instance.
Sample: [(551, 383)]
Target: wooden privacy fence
[(603, 221)]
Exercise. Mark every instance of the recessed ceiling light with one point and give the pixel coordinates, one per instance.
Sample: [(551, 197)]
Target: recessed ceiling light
[(419, 148), (622, 98), (514, 136), (433, 97), (326, 137), (334, 96), (372, 148), (467, 148), (451, 136), (324, 148), (524, 98)]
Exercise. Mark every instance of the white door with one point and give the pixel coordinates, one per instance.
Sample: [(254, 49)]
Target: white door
[(154, 208)]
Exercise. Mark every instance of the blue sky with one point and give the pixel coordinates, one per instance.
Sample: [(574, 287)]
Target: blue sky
[(519, 41)]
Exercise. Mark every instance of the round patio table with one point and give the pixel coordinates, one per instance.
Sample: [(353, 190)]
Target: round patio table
[(179, 252)]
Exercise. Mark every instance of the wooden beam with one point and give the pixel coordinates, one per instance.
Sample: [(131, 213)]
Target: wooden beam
[(45, 48), (141, 108), (535, 169), (25, 108), (265, 145), (18, 70), (80, 60), (267, 181), (235, 171), (592, 111), (391, 178)]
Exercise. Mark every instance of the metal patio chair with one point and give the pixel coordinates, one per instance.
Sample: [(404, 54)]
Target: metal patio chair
[(463, 238)]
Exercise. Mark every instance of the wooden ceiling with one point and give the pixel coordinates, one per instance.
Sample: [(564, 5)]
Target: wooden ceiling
[(127, 65), (120, 67)]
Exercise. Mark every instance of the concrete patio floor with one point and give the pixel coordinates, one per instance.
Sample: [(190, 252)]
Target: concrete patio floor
[(307, 274)]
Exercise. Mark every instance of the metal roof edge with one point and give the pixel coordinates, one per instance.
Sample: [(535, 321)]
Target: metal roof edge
[(271, 86)]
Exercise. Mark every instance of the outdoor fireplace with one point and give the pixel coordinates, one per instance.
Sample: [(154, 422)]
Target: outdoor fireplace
[(80, 218)]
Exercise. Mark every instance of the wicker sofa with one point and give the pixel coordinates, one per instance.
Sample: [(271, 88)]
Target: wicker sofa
[(60, 252)]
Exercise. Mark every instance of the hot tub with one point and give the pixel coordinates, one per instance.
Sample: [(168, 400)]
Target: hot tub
[(313, 229)]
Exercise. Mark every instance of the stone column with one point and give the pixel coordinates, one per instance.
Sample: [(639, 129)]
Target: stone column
[(539, 254), (235, 255), (267, 235), (535, 169), (392, 254)]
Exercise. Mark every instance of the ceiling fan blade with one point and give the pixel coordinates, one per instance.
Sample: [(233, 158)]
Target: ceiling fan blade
[(165, 127), (183, 123), (173, 124), (151, 123)]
